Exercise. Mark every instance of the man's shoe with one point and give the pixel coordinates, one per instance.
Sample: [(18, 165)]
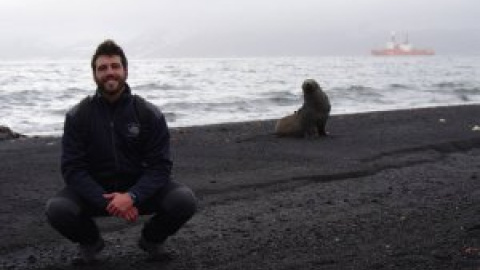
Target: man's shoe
[(87, 254), (156, 251)]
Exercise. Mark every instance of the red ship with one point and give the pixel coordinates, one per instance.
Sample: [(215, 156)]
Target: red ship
[(393, 48)]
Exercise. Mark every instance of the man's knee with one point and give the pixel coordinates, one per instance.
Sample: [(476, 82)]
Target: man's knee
[(59, 208), (180, 202)]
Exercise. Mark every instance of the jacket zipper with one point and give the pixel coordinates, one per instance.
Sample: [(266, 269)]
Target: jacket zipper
[(114, 148)]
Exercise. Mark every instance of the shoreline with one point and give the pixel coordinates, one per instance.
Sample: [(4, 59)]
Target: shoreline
[(173, 128), (385, 190)]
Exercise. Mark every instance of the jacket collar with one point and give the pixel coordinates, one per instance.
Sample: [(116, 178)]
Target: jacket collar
[(127, 93)]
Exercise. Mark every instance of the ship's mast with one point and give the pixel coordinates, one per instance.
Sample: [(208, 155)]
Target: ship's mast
[(392, 43), (406, 46)]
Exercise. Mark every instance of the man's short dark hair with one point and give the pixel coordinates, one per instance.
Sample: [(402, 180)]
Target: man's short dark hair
[(109, 48)]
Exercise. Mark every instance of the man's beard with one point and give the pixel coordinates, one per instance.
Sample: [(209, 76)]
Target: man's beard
[(111, 85)]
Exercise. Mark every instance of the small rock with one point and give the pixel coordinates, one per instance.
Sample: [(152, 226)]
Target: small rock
[(6, 134), (31, 259), (441, 254)]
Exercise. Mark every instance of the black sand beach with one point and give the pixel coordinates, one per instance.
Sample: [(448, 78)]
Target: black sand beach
[(386, 190)]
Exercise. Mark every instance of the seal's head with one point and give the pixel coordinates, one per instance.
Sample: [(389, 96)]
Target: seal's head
[(310, 86)]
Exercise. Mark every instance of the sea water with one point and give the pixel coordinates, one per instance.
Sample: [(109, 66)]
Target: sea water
[(35, 95)]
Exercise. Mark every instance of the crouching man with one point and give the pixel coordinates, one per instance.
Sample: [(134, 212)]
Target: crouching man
[(116, 162)]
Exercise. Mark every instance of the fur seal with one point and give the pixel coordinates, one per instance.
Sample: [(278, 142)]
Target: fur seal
[(310, 120)]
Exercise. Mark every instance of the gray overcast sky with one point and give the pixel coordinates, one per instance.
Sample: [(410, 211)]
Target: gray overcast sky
[(198, 28)]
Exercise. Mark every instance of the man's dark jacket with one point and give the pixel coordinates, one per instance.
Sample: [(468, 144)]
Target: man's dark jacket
[(109, 148)]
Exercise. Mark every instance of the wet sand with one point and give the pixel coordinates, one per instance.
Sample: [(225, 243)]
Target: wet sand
[(386, 190)]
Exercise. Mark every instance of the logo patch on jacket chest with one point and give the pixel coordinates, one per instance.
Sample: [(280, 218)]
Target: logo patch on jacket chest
[(133, 129)]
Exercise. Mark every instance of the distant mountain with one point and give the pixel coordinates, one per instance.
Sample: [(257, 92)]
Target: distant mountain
[(243, 44)]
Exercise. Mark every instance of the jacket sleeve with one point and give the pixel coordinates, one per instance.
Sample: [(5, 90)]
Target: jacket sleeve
[(156, 161), (74, 165)]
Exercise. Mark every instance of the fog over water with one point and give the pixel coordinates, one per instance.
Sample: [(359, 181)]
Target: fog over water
[(231, 28)]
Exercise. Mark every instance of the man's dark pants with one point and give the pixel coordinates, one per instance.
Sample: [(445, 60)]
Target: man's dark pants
[(171, 207)]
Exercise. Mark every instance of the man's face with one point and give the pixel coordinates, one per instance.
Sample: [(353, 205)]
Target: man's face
[(110, 75)]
